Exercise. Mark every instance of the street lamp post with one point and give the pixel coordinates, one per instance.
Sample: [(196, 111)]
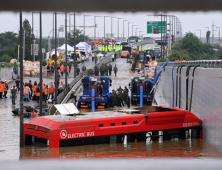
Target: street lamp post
[(200, 33), (128, 28), (105, 26), (123, 27), (118, 26), (112, 25), (95, 26), (132, 28), (84, 29), (33, 58), (136, 31), (140, 32), (219, 35)]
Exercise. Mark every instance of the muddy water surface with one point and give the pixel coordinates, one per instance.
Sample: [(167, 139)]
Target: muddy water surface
[(10, 150)]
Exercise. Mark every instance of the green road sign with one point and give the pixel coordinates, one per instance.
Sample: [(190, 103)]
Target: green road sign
[(154, 27)]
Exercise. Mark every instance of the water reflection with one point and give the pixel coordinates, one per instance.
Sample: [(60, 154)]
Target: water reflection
[(157, 148)]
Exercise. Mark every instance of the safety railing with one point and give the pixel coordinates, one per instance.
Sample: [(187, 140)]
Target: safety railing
[(202, 63), (64, 96)]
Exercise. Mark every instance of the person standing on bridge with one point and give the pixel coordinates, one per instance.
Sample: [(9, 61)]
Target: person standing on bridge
[(110, 69), (115, 69), (112, 56), (115, 56), (13, 92), (51, 91), (5, 89), (1, 89), (48, 70), (17, 82), (62, 68), (77, 70)]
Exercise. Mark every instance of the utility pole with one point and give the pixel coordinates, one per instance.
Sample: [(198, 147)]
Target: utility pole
[(219, 35), (213, 32), (24, 46)]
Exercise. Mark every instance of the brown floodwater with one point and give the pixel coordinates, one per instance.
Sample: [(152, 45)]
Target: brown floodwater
[(10, 150)]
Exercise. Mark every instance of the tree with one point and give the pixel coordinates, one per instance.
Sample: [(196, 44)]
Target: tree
[(208, 36), (191, 43), (29, 37), (7, 43), (174, 55), (79, 37)]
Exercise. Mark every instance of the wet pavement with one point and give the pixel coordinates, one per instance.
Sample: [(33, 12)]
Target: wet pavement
[(9, 135)]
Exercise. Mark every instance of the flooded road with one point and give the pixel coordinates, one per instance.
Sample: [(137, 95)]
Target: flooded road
[(9, 146), (180, 148)]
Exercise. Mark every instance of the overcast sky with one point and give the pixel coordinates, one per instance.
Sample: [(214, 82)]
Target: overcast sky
[(191, 22)]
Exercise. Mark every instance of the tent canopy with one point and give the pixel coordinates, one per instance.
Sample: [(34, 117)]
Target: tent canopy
[(84, 45), (69, 48)]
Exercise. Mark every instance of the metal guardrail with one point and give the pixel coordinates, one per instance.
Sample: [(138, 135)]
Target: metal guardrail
[(66, 92), (76, 85), (202, 63)]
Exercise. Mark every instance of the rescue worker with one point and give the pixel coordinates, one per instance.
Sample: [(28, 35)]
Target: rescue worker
[(46, 93), (101, 69), (34, 90), (26, 92), (48, 70), (62, 68), (106, 70), (67, 70), (1, 89), (115, 69), (77, 70), (112, 56), (112, 100), (13, 92), (73, 96), (52, 68), (125, 88), (17, 82), (83, 68), (96, 58), (58, 79), (183, 59), (51, 91), (31, 91), (133, 66), (119, 99), (96, 70), (93, 57), (115, 56), (110, 69), (37, 93), (70, 67), (100, 90), (5, 89), (178, 59), (125, 95), (120, 89)]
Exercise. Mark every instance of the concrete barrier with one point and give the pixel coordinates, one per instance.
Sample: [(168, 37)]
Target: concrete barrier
[(205, 98)]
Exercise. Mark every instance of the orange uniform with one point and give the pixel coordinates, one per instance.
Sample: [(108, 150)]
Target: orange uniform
[(62, 68), (51, 89)]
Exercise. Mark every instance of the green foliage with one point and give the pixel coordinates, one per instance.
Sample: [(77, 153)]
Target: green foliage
[(191, 43), (29, 37), (5, 58), (174, 54), (191, 48), (79, 37), (7, 43)]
